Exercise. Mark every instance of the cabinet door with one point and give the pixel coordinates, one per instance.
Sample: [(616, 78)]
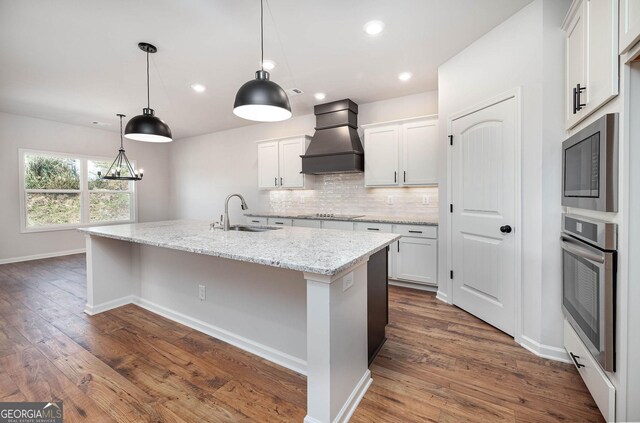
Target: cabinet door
[(602, 53), (306, 223), (416, 260), (419, 153), (576, 44), (337, 224), (291, 163), (268, 165), (381, 156), (629, 24)]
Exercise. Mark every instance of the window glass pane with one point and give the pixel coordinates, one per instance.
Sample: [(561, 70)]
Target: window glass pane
[(109, 206), (95, 183), (50, 172), (47, 209)]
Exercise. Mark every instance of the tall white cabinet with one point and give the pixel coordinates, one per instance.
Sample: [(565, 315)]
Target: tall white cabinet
[(591, 30), (280, 164), (629, 24), (401, 153)]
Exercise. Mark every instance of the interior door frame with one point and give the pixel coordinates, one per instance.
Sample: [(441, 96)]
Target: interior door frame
[(516, 94)]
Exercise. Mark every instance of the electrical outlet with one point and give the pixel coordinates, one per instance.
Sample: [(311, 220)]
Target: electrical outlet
[(389, 199), (347, 281), (202, 292), (425, 199)]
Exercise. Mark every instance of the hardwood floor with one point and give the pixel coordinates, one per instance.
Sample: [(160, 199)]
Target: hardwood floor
[(439, 364)]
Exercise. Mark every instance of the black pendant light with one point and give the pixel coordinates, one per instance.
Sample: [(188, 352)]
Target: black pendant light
[(260, 99), (147, 127), (121, 169)]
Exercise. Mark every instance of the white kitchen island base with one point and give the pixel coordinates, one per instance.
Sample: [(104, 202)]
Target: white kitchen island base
[(312, 323)]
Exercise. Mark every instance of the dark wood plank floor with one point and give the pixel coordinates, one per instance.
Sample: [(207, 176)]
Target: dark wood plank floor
[(439, 364)]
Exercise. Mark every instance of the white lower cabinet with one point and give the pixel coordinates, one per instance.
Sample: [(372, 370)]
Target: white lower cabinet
[(337, 224), (306, 223), (279, 222), (600, 387), (415, 259), (256, 220)]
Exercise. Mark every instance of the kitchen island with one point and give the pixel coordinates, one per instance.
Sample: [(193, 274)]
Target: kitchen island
[(295, 296)]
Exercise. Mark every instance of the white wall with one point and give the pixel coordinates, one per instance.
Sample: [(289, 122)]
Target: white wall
[(38, 134), (208, 167), (525, 51)]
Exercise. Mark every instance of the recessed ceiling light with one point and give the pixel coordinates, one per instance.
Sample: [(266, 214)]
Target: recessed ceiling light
[(199, 88), (320, 96), (405, 76), (373, 27), (268, 64)]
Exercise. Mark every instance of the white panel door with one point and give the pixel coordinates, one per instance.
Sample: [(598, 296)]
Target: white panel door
[(420, 153), (291, 163), (483, 194), (268, 165), (416, 260), (381, 156), (576, 59), (629, 24)]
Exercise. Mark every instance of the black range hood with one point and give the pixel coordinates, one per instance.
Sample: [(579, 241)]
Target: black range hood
[(336, 146)]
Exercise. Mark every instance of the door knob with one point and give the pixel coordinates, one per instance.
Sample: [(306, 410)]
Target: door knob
[(506, 229)]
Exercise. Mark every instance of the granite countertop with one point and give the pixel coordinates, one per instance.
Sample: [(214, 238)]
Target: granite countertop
[(322, 251), (399, 220)]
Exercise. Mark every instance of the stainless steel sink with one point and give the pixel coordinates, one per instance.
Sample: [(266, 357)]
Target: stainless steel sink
[(244, 228)]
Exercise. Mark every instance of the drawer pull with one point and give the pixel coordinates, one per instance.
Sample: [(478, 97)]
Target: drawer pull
[(575, 360), (373, 229), (415, 232), (279, 223), (255, 221)]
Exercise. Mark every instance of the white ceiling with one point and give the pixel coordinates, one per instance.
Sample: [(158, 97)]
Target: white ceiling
[(77, 61)]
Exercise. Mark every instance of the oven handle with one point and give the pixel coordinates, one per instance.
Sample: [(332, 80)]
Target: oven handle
[(573, 246)]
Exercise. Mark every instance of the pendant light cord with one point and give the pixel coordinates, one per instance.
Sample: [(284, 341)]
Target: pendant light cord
[(148, 101), (262, 35)]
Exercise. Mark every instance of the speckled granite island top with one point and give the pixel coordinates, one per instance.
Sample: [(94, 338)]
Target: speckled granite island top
[(322, 251), (399, 220)]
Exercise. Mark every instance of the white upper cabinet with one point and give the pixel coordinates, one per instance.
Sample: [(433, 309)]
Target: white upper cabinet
[(402, 153), (629, 24), (591, 29), (419, 146), (381, 148), (268, 165), (280, 164)]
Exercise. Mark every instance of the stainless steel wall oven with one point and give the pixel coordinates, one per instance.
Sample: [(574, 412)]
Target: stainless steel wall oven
[(590, 166), (589, 283)]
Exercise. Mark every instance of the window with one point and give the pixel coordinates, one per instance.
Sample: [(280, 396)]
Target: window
[(61, 191)]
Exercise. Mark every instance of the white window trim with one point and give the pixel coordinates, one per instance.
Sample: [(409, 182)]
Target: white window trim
[(83, 191)]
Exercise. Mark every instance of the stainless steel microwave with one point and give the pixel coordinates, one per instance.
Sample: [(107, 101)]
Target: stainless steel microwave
[(590, 166)]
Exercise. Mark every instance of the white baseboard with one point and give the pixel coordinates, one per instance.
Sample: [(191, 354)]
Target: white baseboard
[(351, 403), (109, 305), (418, 286), (443, 297), (544, 351), (42, 256), (268, 353)]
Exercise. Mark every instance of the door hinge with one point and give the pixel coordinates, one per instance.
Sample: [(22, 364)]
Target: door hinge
[(450, 139), (450, 274), (451, 208)]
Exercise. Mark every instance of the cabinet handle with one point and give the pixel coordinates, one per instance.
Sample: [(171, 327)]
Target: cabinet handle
[(395, 176), (279, 223), (373, 229), (405, 176), (275, 181), (255, 221), (280, 181), (579, 91), (415, 232), (575, 100), (398, 243), (574, 358)]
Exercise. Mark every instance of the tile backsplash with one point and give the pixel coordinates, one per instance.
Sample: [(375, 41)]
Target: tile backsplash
[(345, 194)]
